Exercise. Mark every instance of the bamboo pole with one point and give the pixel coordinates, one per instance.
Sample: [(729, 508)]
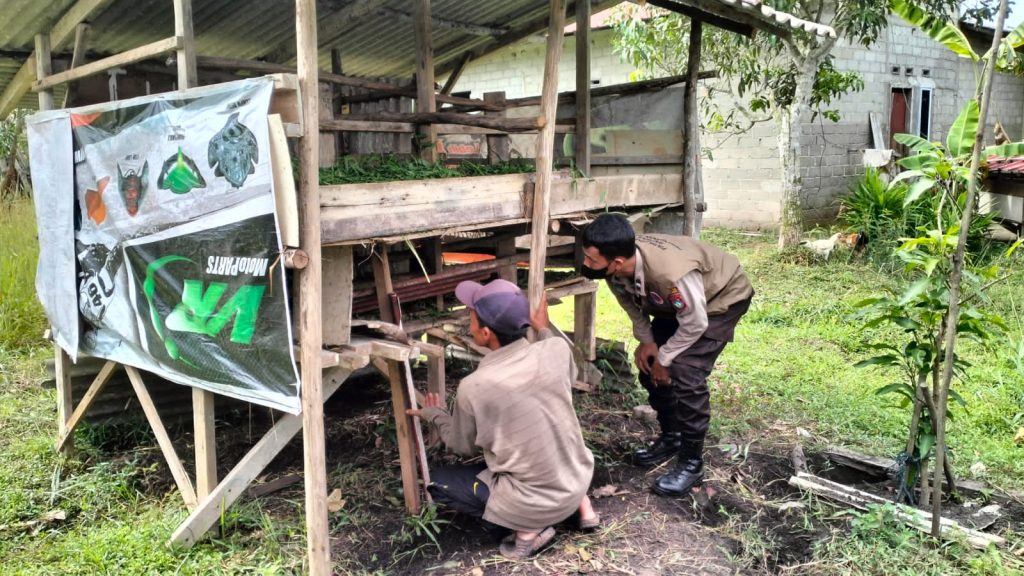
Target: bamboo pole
[(583, 86), (545, 150), (956, 275), (310, 323)]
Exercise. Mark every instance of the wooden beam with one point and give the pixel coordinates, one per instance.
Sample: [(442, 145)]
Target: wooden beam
[(545, 150), (493, 122), (425, 103), (691, 132), (310, 299), (77, 59), (43, 69), (60, 33), (736, 22), (582, 137), (204, 426), (188, 493), (68, 426), (130, 57), (209, 511), (453, 78), (401, 127), (446, 24), (614, 89)]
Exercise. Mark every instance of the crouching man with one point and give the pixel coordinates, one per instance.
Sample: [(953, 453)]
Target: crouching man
[(516, 409)]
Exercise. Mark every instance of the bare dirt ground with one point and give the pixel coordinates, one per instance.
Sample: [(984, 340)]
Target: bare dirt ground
[(745, 520)]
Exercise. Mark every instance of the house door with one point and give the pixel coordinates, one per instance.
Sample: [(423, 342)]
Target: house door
[(899, 116)]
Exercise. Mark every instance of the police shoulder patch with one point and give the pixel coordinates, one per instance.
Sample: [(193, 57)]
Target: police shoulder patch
[(677, 300)]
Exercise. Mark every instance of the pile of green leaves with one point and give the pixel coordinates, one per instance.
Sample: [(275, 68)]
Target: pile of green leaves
[(386, 168)]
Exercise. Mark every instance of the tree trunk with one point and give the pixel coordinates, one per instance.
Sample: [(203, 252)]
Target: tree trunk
[(791, 216)]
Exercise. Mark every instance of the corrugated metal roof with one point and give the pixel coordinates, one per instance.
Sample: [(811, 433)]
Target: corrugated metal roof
[(1006, 167), (375, 37)]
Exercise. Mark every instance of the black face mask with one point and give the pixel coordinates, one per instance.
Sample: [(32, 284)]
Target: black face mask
[(593, 273)]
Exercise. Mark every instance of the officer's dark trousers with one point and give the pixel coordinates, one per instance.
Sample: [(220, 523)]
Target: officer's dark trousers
[(684, 404)]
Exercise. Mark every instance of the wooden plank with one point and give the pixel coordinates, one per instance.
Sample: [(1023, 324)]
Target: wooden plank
[(206, 441), (209, 511), (643, 142), (336, 294), (77, 59), (96, 67), (613, 89), (425, 103), (186, 58), (421, 449), (583, 86), (285, 198), (691, 131), (62, 376), (505, 247), (310, 299), (435, 367), (405, 439), (397, 209), (68, 425), (43, 68), (285, 100), (188, 493), (545, 151), (918, 519), (876, 131), (18, 87), (328, 144)]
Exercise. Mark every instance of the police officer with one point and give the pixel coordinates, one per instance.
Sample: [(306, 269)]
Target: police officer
[(684, 298)]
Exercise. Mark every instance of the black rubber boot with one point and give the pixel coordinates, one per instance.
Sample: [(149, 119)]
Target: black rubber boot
[(686, 474), (666, 446)]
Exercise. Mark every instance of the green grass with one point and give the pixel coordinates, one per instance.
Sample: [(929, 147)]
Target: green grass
[(791, 365), (21, 318)]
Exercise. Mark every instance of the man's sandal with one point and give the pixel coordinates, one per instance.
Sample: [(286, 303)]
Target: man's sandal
[(517, 549)]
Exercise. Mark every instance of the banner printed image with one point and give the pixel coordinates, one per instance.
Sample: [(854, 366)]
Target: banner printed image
[(211, 305), (132, 186), (233, 152), (180, 174)]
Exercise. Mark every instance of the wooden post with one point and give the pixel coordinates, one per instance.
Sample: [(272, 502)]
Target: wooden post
[(691, 133), (310, 323), (425, 76), (203, 412), (449, 84), (43, 69), (187, 76), (497, 144), (545, 149), (404, 435), (435, 263), (506, 246), (336, 91), (584, 327), (582, 135)]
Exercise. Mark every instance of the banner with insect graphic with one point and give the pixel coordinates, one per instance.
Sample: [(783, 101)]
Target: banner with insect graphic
[(167, 214)]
